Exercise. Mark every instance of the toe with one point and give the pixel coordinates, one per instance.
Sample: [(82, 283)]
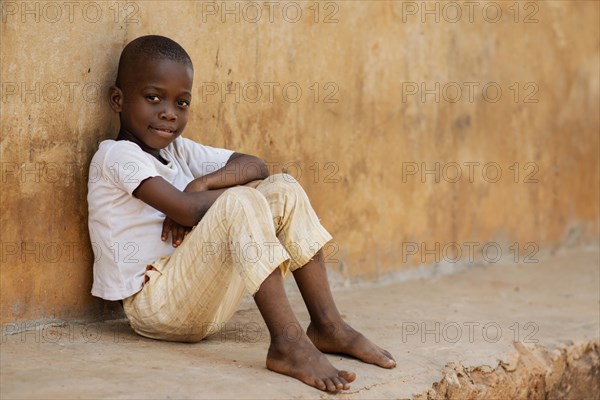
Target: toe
[(388, 354), (319, 384), (330, 385), (390, 362), (339, 385), (382, 358), (347, 376), (344, 382), (386, 362)]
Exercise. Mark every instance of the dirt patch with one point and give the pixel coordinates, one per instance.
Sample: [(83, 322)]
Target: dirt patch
[(536, 372)]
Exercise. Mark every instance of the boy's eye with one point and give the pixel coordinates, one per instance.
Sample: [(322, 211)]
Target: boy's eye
[(183, 103), (152, 97)]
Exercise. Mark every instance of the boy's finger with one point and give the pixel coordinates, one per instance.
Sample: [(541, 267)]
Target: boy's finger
[(174, 236), (183, 231), (166, 228), (177, 235)]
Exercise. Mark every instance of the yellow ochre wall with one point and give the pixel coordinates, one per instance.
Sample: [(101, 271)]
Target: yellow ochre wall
[(360, 100)]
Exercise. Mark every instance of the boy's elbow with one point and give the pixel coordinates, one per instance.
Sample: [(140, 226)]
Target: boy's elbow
[(256, 165), (263, 170)]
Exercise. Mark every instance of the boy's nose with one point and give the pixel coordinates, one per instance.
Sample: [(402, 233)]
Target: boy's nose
[(168, 114)]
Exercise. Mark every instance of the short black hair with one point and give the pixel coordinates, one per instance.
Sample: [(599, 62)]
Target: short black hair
[(153, 47)]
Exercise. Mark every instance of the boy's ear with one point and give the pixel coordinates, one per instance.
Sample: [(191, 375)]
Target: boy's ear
[(115, 98)]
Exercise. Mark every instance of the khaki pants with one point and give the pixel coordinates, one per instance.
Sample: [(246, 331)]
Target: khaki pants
[(243, 237)]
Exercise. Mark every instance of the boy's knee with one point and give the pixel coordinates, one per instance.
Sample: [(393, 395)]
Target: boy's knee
[(283, 178), (241, 195), (283, 182), (238, 205), (240, 192)]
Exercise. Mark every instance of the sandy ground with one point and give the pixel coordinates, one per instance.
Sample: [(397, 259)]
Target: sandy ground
[(472, 318)]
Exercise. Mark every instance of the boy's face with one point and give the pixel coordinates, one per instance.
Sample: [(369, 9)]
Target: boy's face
[(154, 101)]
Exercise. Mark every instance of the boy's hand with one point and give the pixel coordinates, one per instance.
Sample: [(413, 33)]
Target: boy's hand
[(178, 231)]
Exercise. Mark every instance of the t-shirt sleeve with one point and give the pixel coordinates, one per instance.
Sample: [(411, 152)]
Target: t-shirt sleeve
[(126, 166), (203, 159)]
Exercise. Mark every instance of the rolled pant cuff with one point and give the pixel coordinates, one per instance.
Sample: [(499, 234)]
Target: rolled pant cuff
[(308, 247)]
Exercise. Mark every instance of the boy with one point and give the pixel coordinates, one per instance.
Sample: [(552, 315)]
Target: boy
[(249, 229)]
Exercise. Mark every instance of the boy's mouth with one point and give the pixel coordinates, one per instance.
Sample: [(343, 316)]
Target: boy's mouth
[(163, 131)]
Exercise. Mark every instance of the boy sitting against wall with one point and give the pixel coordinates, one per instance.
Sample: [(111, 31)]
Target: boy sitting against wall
[(157, 183)]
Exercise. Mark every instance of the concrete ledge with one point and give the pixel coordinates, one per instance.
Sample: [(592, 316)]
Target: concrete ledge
[(508, 331)]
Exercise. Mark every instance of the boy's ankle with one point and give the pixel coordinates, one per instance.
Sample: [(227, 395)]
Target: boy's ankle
[(328, 323), (288, 335)]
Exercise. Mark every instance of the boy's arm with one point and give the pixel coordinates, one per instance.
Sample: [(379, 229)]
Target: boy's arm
[(239, 170), (185, 208)]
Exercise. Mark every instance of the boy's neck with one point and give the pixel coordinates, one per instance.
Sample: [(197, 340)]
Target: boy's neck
[(126, 135)]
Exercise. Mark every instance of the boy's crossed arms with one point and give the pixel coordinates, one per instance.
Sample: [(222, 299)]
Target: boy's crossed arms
[(184, 209)]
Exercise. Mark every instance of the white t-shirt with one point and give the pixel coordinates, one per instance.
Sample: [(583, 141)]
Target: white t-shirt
[(125, 232)]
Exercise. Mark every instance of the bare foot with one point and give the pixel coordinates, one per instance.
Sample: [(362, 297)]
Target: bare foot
[(300, 359), (342, 338)]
